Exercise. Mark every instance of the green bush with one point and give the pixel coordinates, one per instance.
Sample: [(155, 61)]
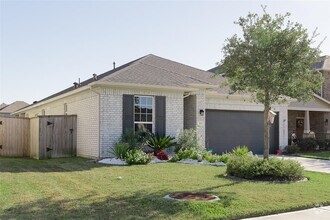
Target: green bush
[(327, 144), (134, 140), (212, 158), (120, 150), (137, 157), (291, 149), (307, 144), (240, 150), (158, 143), (184, 154), (187, 139), (250, 167)]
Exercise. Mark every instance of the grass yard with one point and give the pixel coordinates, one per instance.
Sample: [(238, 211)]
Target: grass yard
[(324, 155), (80, 189)]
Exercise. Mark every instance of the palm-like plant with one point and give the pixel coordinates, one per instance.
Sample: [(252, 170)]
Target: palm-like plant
[(158, 143)]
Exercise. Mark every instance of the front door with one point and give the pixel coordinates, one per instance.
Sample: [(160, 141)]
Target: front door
[(299, 128)]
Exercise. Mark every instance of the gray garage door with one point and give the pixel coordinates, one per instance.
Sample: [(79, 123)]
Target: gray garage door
[(228, 129)]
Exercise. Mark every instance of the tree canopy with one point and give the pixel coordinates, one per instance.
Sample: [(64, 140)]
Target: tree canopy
[(271, 60)]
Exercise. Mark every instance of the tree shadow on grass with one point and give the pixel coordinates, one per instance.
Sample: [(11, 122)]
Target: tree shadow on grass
[(139, 205), (21, 165)]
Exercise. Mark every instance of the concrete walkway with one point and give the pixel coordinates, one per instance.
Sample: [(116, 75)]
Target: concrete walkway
[(321, 213), (311, 164)]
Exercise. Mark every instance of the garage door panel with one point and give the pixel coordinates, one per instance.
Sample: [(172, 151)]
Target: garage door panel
[(227, 129)]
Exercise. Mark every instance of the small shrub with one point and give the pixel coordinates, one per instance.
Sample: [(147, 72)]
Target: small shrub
[(134, 140), (212, 158), (321, 143), (162, 155), (250, 167), (137, 157), (307, 144), (291, 149), (327, 144), (240, 150), (183, 154), (159, 143), (187, 139), (120, 150), (225, 157)]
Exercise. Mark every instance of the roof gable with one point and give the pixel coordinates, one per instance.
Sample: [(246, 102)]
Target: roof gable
[(323, 64), (3, 105), (154, 70), (14, 107), (316, 103), (150, 70)]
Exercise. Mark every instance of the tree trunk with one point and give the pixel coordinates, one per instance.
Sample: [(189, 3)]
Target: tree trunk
[(266, 126)]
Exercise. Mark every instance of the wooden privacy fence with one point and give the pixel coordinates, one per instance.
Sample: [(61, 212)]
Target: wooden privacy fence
[(14, 137), (41, 137)]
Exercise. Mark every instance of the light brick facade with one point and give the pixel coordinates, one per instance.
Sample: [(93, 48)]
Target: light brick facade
[(111, 114), (86, 106), (193, 105), (99, 116), (200, 119), (190, 112)]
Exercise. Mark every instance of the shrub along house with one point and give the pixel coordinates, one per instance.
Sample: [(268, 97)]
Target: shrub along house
[(164, 96)]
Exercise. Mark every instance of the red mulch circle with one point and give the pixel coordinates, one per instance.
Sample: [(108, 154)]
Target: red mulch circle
[(193, 196)]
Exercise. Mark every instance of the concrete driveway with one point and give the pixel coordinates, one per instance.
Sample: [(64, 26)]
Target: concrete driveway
[(311, 164), (321, 213)]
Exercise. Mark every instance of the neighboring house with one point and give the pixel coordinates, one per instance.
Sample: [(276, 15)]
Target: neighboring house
[(164, 96), (3, 105), (6, 110), (313, 115)]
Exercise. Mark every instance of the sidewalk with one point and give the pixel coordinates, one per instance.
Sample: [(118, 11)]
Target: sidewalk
[(320, 213)]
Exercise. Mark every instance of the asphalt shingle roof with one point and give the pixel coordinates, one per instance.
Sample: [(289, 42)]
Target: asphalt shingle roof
[(152, 70), (14, 107), (323, 64), (3, 105)]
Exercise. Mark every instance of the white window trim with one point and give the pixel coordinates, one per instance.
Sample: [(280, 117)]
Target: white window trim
[(153, 112)]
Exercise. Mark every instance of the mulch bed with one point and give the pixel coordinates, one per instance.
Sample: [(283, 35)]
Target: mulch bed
[(193, 196)]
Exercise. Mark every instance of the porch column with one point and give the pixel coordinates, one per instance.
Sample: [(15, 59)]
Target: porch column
[(327, 124), (307, 127), (283, 127), (200, 116)]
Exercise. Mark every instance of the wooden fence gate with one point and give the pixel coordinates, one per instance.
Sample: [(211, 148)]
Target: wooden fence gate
[(57, 136), (41, 137), (14, 137)]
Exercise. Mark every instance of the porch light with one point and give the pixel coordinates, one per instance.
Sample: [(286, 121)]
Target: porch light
[(201, 112), (271, 116), (326, 122)]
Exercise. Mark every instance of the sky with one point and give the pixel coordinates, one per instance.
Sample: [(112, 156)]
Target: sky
[(45, 46)]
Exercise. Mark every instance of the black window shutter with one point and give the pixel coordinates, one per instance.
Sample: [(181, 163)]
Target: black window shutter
[(160, 107), (128, 111)]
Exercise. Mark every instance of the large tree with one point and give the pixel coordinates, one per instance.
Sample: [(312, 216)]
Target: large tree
[(272, 60)]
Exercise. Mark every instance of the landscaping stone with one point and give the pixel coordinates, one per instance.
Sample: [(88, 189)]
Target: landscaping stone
[(156, 160), (113, 161), (119, 162)]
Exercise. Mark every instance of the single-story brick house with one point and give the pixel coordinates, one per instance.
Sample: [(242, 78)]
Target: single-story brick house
[(164, 96)]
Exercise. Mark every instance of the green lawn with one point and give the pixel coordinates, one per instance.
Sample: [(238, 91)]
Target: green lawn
[(80, 189), (324, 155)]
